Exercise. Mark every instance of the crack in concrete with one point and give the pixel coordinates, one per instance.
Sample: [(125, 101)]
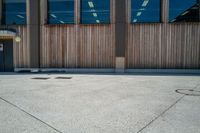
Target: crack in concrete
[(32, 116)]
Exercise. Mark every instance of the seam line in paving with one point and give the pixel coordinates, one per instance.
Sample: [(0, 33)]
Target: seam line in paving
[(30, 115), (165, 111), (161, 114)]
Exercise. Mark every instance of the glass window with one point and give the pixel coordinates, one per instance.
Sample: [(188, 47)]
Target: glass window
[(14, 12), (184, 11), (145, 11), (95, 11), (61, 11)]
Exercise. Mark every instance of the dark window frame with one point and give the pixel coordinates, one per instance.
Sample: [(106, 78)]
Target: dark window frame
[(182, 22), (160, 16), (48, 18), (110, 13), (3, 19)]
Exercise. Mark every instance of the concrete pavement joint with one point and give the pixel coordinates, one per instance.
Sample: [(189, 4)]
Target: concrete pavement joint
[(6, 101), (31, 90), (196, 86), (165, 111), (160, 114)]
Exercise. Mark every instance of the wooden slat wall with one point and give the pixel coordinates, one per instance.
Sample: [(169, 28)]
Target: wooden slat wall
[(21, 49), (72, 46), (77, 46), (160, 45), (164, 45), (96, 46)]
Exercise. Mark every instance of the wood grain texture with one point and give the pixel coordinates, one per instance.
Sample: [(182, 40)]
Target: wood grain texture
[(77, 45), (21, 49), (72, 46), (162, 45), (148, 46)]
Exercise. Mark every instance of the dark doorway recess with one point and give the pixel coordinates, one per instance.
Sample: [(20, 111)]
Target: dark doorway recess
[(6, 55)]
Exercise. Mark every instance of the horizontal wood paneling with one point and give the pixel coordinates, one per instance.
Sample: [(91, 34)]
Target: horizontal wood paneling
[(21, 49), (163, 46), (77, 46)]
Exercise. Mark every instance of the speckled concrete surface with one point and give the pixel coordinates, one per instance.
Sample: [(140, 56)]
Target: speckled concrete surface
[(98, 104)]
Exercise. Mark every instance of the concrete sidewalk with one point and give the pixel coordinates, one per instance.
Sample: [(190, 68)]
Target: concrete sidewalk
[(98, 104)]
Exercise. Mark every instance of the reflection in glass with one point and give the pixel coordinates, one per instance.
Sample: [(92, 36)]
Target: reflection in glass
[(184, 11), (144, 11), (14, 12), (61, 11), (95, 11)]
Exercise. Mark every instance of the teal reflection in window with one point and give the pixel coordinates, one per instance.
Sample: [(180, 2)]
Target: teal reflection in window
[(14, 12), (183, 11), (60, 11), (95, 11), (145, 11)]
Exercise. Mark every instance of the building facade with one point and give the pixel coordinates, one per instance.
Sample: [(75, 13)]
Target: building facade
[(99, 34)]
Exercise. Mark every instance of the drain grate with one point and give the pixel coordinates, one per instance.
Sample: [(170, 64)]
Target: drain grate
[(188, 92), (63, 78), (41, 78)]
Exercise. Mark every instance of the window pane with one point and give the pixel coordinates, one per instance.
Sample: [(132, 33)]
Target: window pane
[(95, 11), (184, 11), (143, 11), (61, 11), (14, 11)]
